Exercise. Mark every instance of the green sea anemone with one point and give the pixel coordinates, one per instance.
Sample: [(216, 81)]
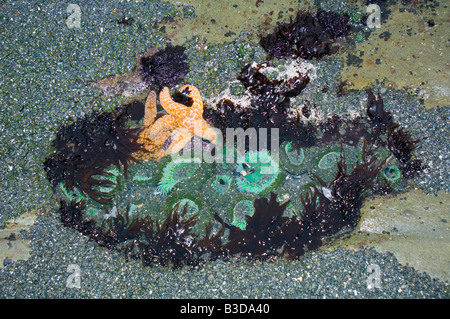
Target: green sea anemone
[(142, 176), (144, 172), (329, 160), (112, 175), (381, 153), (257, 171), (191, 206), (91, 211), (194, 208), (242, 208), (323, 162), (295, 155), (71, 195), (176, 171), (222, 183), (392, 174)]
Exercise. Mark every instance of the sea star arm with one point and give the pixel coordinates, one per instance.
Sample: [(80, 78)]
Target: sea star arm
[(149, 117), (172, 107), (167, 122), (153, 145), (196, 97), (208, 132), (181, 137), (182, 123), (150, 109)]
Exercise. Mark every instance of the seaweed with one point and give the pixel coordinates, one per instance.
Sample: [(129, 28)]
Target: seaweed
[(133, 111), (270, 108), (169, 243), (376, 113), (308, 36), (87, 147), (268, 234), (398, 140), (261, 238), (401, 144), (295, 85), (165, 67), (172, 242), (329, 211), (332, 210), (227, 114), (183, 97), (412, 167), (377, 129), (72, 216)]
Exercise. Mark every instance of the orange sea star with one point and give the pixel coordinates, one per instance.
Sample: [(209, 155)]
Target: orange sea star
[(182, 123), (185, 121), (153, 144)]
